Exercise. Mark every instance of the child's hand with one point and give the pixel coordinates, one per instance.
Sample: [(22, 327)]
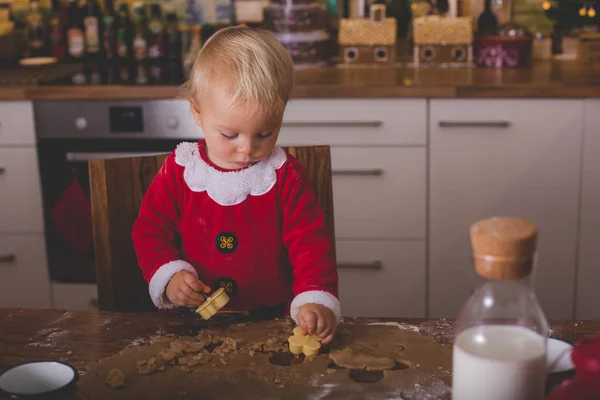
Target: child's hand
[(184, 290), (318, 320)]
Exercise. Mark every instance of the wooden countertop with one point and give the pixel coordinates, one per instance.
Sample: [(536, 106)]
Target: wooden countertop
[(80, 337), (557, 79)]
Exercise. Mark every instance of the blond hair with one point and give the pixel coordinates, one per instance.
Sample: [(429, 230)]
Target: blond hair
[(252, 61)]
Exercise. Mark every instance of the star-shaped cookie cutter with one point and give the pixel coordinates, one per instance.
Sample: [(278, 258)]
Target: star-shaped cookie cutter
[(213, 303), (299, 344)]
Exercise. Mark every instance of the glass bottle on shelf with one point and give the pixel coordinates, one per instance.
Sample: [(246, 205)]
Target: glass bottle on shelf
[(109, 28), (57, 32), (140, 43), (487, 23), (36, 31), (93, 35), (75, 39), (501, 332), (156, 45), (126, 70), (174, 52)]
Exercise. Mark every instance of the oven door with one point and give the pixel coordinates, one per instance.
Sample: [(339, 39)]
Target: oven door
[(66, 199)]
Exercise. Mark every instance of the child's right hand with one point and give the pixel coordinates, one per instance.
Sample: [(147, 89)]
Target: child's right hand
[(184, 290)]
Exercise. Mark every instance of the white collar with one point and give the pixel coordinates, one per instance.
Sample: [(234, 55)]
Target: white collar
[(231, 187)]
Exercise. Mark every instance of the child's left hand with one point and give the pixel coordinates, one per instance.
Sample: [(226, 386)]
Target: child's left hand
[(315, 319)]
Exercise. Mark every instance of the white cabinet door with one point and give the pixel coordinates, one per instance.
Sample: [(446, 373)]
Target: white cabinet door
[(16, 123), (24, 279), (20, 191), (382, 278), (504, 158), (379, 193), (370, 122), (588, 280), (75, 296)]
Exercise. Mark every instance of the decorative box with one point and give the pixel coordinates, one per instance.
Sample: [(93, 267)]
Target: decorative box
[(368, 41), (442, 41), (512, 47), (588, 48)]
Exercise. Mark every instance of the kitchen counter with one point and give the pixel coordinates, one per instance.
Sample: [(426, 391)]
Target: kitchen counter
[(80, 337), (558, 79), (83, 337)]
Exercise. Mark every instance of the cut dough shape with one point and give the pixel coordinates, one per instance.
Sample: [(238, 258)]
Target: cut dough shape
[(213, 304), (300, 344), (347, 358)]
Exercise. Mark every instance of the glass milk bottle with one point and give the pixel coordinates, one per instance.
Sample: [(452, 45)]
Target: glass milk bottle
[(500, 347)]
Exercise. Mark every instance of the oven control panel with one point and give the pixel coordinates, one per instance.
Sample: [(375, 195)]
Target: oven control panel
[(152, 119)]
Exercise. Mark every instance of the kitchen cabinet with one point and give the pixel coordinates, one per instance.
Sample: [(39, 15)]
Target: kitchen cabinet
[(24, 278), (16, 123), (588, 271), (20, 193), (379, 168), (382, 278), (509, 157), (354, 122), (74, 296)]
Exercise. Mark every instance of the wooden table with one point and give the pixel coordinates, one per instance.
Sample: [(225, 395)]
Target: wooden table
[(79, 337)]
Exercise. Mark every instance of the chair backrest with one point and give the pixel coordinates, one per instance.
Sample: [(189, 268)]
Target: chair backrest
[(117, 187)]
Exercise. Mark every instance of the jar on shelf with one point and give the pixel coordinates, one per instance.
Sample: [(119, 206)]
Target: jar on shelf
[(301, 26), (501, 332)]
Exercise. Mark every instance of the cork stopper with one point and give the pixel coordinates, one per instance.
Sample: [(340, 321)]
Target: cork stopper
[(504, 248)]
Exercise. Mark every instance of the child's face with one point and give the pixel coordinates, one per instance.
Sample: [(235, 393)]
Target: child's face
[(235, 137)]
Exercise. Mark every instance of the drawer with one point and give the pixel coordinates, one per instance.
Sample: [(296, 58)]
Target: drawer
[(24, 279), (20, 191), (74, 296), (382, 278), (499, 119), (379, 193), (354, 122), (16, 123)]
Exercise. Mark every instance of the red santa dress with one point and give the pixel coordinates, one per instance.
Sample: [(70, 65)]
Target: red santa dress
[(260, 232)]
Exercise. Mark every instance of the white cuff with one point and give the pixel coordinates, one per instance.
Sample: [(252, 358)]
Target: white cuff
[(161, 278), (316, 297)]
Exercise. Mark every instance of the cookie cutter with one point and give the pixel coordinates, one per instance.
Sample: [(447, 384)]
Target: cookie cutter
[(213, 303)]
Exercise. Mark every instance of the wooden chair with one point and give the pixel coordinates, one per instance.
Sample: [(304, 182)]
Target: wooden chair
[(117, 188)]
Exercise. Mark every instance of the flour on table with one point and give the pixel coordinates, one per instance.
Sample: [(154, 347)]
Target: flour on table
[(398, 325), (51, 340)]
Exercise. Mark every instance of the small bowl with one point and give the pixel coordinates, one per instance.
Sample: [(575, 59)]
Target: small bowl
[(558, 356), (39, 380)]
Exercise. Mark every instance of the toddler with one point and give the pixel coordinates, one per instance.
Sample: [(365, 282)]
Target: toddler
[(234, 210)]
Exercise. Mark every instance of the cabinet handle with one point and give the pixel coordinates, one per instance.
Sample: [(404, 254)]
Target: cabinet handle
[(2, 170), (372, 265), (474, 124), (8, 258), (332, 124), (358, 172)]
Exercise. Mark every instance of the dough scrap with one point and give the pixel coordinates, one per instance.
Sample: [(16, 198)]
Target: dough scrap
[(347, 358), (300, 344), (115, 379)]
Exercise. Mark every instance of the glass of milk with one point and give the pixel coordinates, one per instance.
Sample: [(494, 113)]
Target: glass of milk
[(501, 332)]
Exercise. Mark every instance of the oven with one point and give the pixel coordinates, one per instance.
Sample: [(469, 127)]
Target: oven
[(72, 133)]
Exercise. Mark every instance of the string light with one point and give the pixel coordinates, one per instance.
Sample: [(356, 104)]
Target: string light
[(591, 12)]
